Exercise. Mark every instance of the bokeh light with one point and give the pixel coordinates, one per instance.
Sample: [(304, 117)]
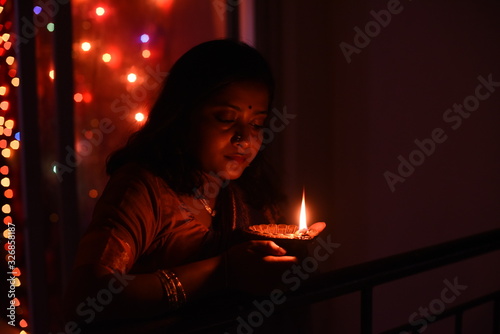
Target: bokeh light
[(139, 117), (131, 77), (86, 46), (100, 11), (106, 57)]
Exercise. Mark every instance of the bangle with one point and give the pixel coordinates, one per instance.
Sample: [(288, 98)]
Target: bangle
[(173, 291)]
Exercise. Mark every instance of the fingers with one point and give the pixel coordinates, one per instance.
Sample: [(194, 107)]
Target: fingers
[(266, 247), (280, 259)]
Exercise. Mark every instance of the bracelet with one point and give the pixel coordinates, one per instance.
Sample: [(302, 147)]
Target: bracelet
[(173, 291)]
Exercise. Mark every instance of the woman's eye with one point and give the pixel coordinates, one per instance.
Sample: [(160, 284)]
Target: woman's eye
[(258, 126), (225, 120)]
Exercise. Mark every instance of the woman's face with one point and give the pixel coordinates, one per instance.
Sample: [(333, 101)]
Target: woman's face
[(227, 130)]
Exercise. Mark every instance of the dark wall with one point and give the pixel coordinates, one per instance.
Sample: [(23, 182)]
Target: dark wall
[(364, 104)]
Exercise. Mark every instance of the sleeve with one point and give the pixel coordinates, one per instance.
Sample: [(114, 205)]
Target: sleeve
[(124, 222)]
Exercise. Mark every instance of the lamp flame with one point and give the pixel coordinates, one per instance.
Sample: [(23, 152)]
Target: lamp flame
[(302, 219)]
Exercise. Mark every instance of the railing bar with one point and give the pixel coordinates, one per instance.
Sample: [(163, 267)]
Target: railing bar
[(458, 322), (496, 315), (451, 312), (367, 310)]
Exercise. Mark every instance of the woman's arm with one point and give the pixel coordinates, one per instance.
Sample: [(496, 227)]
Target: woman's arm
[(97, 294)]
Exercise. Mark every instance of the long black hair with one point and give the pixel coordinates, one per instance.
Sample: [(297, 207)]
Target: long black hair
[(161, 145)]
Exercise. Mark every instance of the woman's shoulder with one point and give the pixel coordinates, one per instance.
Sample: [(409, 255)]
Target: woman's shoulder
[(134, 178)]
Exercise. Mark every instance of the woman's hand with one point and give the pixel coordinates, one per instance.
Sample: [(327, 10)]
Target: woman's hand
[(257, 266)]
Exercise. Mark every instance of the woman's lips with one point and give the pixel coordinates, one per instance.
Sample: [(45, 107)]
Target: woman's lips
[(241, 159)]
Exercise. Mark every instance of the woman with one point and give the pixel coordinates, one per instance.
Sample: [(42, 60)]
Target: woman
[(164, 232)]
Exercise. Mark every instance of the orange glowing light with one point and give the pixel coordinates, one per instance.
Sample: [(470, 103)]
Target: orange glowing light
[(139, 117), (5, 182), (78, 97), (146, 53), (7, 220), (131, 77), (86, 46), (106, 57), (51, 74), (4, 105), (3, 90), (9, 124), (15, 82), (3, 144), (6, 152), (23, 323), (6, 209), (5, 169), (93, 193), (16, 302), (14, 144), (87, 97), (8, 193), (100, 11), (303, 218), (16, 272)]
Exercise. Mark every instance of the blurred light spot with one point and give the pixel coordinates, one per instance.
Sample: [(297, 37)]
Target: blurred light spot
[(37, 10), (2, 119), (8, 193), (100, 11), (7, 45), (4, 170), (4, 105), (144, 38), (3, 143), (6, 152), (146, 53), (93, 193), (87, 97), (3, 90), (18, 136), (16, 302), (78, 97), (5, 37), (5, 182), (17, 282), (14, 145), (15, 82), (23, 323), (10, 60), (106, 57), (6, 209), (50, 27), (131, 77), (12, 72), (9, 124), (7, 220), (16, 272), (7, 132), (6, 234), (51, 74), (139, 117), (86, 46)]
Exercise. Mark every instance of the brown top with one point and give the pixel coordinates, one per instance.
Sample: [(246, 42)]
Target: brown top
[(141, 225)]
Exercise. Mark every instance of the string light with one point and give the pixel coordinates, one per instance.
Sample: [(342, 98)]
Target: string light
[(86, 46), (100, 11), (146, 53), (50, 27), (131, 77), (144, 38), (139, 117), (51, 74), (106, 57)]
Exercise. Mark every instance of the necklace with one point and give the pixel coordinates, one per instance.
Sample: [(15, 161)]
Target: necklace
[(210, 211)]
